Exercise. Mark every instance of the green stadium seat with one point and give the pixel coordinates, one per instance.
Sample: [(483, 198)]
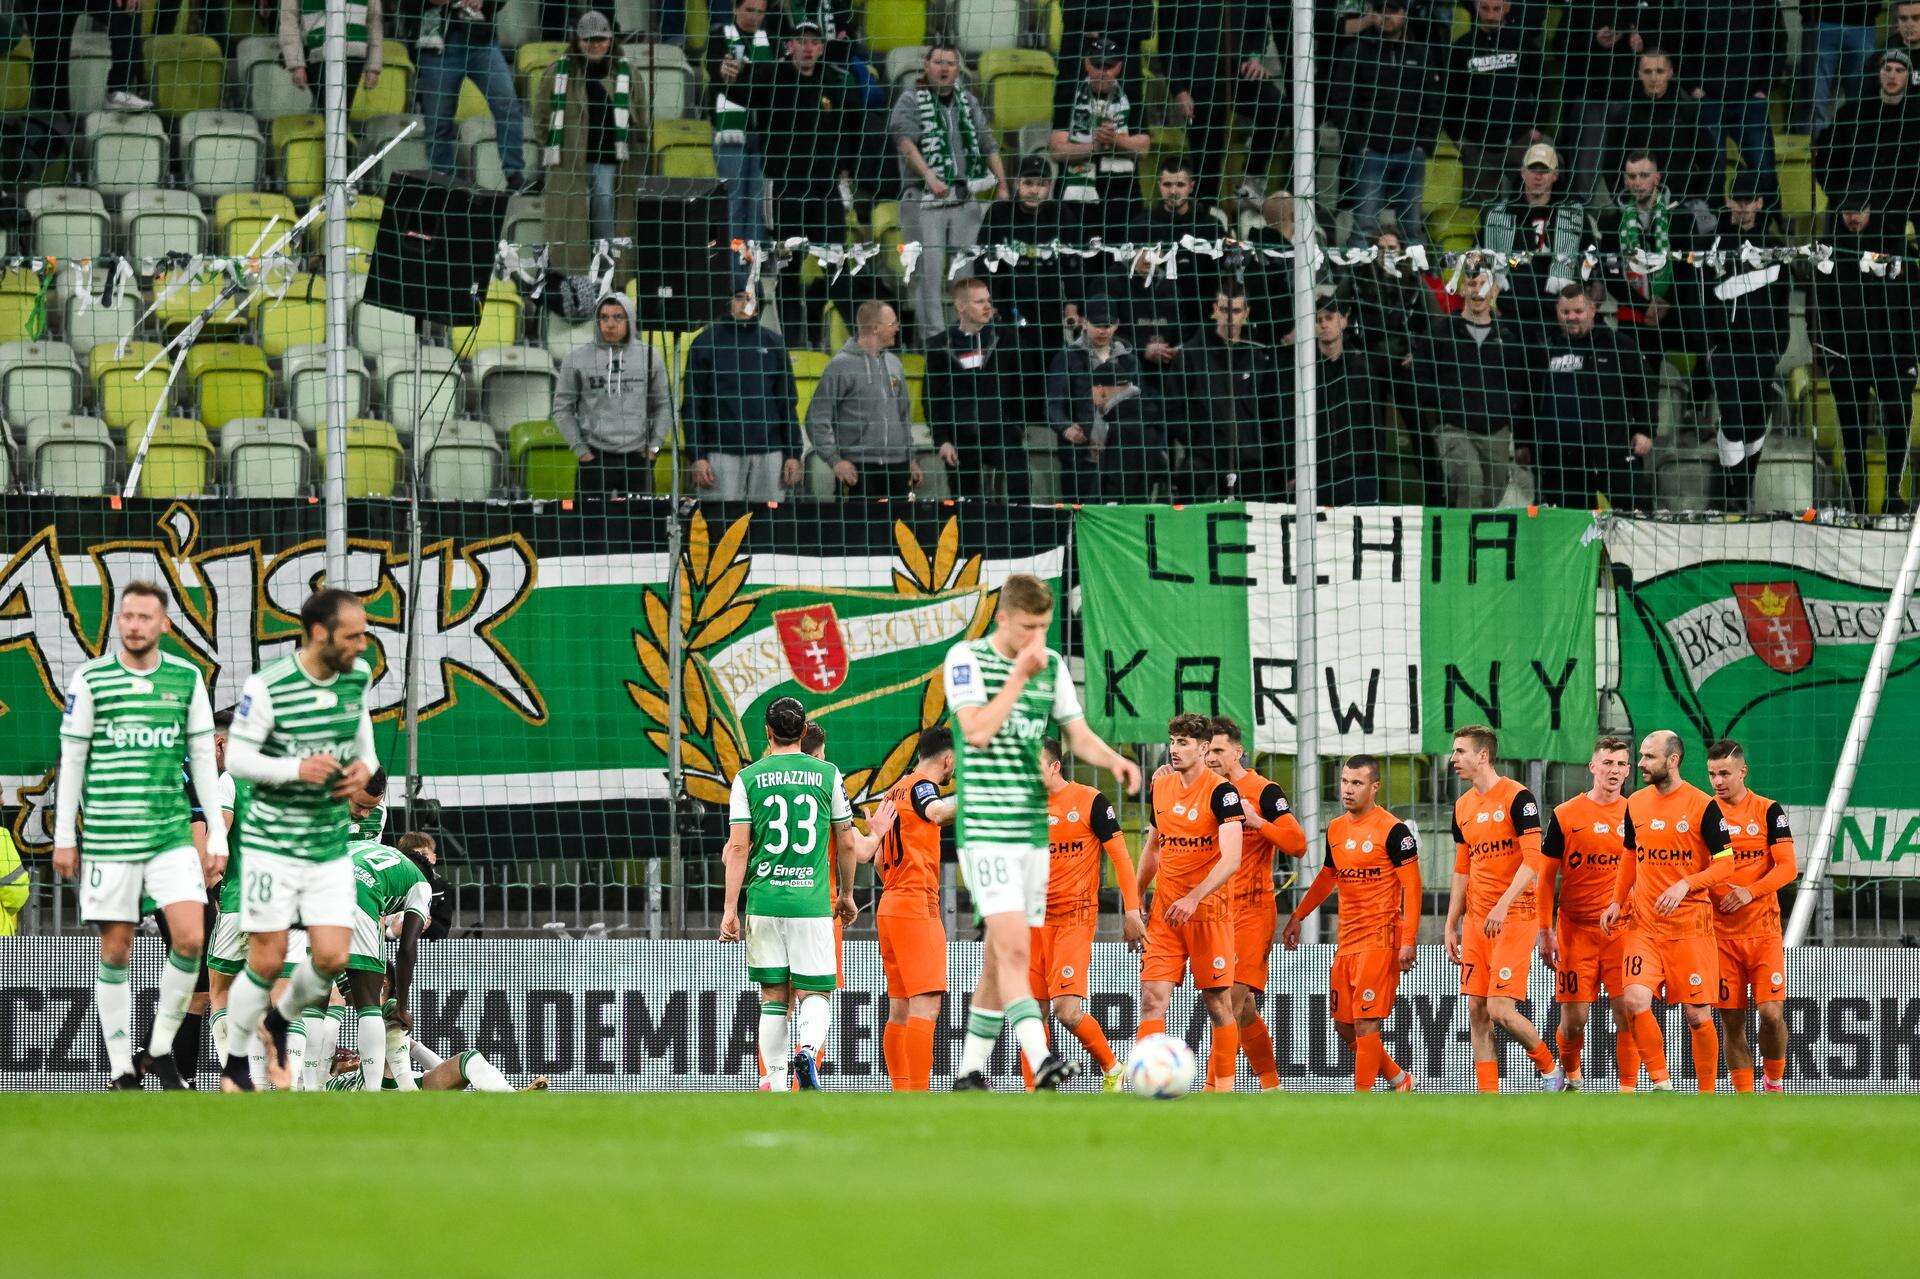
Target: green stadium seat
[(461, 462), (543, 464)]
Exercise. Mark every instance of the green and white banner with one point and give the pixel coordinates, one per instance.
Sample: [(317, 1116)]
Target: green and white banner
[(1425, 620), (1761, 631)]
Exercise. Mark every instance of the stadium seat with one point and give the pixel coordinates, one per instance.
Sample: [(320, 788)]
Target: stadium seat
[(683, 148), (174, 308), (479, 155), (377, 330), (560, 335), (178, 458), (499, 323), (38, 379), (543, 465), (88, 326), (187, 72), (808, 367), (270, 91), (514, 384), (914, 365), (220, 152), (392, 95), (1019, 88), (123, 397), (253, 222), (526, 220), (68, 222), (126, 151), (894, 24), (307, 392), (516, 22), (531, 61), (460, 462), (300, 152), (157, 222), (980, 25), (410, 155), (1783, 480), (17, 322), (264, 457), (421, 386), (89, 62), (666, 79), (1456, 229), (374, 457), (229, 380), (71, 456), (6, 463), (362, 231), (296, 320)]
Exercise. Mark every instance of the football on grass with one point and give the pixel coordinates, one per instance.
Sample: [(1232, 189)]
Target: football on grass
[(1161, 1067)]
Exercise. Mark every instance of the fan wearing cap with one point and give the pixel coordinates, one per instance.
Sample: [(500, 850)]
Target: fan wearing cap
[(1391, 84), (1095, 141), (458, 42), (1547, 229), (1113, 445), (592, 147), (1873, 148), (948, 157)]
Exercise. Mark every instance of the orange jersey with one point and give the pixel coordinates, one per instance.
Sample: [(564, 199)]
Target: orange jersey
[(1282, 834), (1587, 840), (910, 854), (1187, 818), (1491, 835), (1672, 837), (1080, 821), (1762, 844), (1366, 853)]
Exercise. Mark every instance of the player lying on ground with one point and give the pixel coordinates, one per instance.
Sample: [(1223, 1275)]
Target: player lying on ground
[(449, 1074), (1373, 862), (1746, 922), (1005, 690)]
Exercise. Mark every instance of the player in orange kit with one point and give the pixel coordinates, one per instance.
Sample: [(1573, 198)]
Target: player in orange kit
[(1195, 840), (1268, 827), (1496, 836), (913, 940), (1081, 823), (1584, 846), (1374, 864), (1746, 921), (1678, 842)]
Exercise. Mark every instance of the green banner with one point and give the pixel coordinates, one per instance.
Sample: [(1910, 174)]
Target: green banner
[(1424, 620)]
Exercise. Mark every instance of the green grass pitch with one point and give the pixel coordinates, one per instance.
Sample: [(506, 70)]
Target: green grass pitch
[(565, 1184)]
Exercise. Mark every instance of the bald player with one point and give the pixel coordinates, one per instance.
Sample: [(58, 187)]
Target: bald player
[(1194, 846), (1373, 862), (1583, 849), (1268, 827), (913, 937), (1746, 921), (1679, 849), (1081, 827), (1493, 912)]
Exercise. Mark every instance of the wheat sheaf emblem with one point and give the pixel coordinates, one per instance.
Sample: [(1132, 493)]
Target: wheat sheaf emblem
[(715, 605)]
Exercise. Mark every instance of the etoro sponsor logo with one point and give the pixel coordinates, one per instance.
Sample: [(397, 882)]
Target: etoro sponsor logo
[(144, 735)]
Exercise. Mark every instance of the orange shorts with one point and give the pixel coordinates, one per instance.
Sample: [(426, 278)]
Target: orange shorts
[(1589, 960), (1253, 927), (1204, 943), (1758, 964), (914, 953), (1497, 966), (1363, 984), (1062, 953), (1688, 968)]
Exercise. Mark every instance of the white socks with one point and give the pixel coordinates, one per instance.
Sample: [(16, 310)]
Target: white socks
[(811, 1019), (219, 1023), (372, 1046), (479, 1072), (176, 989), (246, 1005), (311, 1075), (774, 1049), (113, 1000), (1029, 1031), (423, 1056), (983, 1032), (399, 1063), (306, 988)]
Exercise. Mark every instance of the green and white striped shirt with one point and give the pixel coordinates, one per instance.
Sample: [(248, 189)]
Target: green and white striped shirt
[(1002, 799), (286, 715), (137, 726)]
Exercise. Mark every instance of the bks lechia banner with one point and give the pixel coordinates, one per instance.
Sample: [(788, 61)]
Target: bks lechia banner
[(1425, 620)]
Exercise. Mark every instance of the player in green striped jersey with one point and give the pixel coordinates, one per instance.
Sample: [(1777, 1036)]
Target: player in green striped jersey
[(443, 1074), (366, 808), (303, 736), (1005, 690), (130, 718), (387, 881)]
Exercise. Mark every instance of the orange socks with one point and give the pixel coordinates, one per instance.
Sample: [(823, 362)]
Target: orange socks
[(1775, 1069), (1570, 1047), (1223, 1054), (1366, 1061), (1742, 1078), (1626, 1059), (1256, 1044), (915, 1046), (1652, 1045), (1150, 1026), (1542, 1058), (1486, 1076), (1088, 1032), (1389, 1068), (1706, 1054), (890, 1051)]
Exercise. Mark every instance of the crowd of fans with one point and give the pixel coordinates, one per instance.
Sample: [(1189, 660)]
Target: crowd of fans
[(1594, 145)]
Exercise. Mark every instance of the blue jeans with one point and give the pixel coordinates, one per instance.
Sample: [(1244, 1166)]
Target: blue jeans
[(739, 166), (1840, 52), (441, 72), (1389, 180), (1748, 123), (600, 205)]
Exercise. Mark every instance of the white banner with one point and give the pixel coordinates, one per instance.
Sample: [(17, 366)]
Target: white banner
[(620, 1015), (1873, 843)]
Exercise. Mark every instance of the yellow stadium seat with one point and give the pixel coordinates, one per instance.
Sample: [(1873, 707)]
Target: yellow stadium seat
[(177, 458), (300, 150), (499, 322), (253, 221), (17, 318), (531, 62), (896, 24), (373, 457), (808, 367), (230, 380), (180, 307), (124, 400), (1019, 85), (188, 73), (914, 365)]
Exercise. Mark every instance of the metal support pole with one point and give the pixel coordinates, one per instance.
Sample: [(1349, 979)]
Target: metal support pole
[(412, 665), (1306, 774), (335, 95), (1891, 624), (676, 855)]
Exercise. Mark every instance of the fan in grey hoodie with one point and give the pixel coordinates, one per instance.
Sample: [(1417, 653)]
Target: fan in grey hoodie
[(612, 403), (860, 420)]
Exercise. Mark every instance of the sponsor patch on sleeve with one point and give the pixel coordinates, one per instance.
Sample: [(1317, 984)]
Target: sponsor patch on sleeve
[(962, 675)]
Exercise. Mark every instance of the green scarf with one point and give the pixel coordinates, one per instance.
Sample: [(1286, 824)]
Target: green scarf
[(937, 145), (557, 123), (729, 115), (1089, 113), (1651, 235)]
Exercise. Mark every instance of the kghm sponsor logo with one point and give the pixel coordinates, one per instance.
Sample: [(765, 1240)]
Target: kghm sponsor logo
[(1666, 854), (146, 735)]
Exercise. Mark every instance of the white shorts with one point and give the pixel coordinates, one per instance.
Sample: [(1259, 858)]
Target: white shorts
[(280, 891), (369, 939), (110, 891), (229, 944), (1004, 878), (783, 948)]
